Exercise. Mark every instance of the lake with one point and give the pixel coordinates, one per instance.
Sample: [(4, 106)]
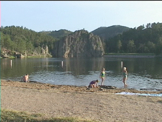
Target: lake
[(142, 72)]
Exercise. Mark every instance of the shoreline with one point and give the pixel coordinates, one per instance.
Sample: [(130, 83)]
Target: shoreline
[(72, 88), (62, 101), (135, 55), (115, 55)]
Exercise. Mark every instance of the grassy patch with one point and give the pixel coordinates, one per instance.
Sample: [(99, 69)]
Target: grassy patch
[(39, 56), (14, 116), (11, 57)]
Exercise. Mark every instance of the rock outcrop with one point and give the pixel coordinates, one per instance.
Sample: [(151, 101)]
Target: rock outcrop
[(39, 51), (79, 44)]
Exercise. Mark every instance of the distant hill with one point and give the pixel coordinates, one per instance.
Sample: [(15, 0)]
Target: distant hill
[(58, 34), (108, 32), (142, 39), (45, 32), (102, 32)]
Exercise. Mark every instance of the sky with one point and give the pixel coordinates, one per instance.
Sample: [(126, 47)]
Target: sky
[(77, 15)]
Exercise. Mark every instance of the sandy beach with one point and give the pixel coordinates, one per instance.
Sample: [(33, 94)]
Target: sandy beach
[(72, 101)]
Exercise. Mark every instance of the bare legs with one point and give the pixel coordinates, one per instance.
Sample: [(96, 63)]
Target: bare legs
[(102, 80), (124, 81)]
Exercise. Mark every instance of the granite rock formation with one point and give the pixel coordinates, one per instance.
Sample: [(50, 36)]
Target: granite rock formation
[(79, 44)]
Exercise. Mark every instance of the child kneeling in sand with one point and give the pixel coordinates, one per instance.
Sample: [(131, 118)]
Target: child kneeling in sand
[(93, 84)]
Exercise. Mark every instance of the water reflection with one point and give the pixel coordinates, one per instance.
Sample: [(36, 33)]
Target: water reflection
[(142, 72), (79, 66)]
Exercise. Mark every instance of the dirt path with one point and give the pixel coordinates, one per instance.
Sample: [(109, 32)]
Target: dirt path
[(69, 101)]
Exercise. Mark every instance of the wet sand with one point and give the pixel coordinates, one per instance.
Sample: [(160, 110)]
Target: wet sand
[(72, 101)]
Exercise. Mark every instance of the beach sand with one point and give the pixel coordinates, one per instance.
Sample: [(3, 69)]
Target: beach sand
[(72, 101)]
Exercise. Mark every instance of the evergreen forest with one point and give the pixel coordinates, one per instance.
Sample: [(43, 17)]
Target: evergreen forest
[(142, 39), (19, 39)]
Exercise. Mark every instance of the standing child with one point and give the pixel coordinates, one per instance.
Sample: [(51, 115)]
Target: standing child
[(125, 73), (102, 75)]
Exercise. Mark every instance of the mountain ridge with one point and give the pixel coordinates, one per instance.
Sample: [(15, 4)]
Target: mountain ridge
[(110, 31)]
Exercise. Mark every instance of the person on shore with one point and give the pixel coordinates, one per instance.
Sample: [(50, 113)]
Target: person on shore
[(25, 78), (125, 73), (102, 75), (93, 84)]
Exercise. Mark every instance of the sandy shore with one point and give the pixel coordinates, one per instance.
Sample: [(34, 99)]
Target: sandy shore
[(71, 101)]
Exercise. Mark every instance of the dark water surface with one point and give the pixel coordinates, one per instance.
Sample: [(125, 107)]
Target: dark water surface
[(142, 72)]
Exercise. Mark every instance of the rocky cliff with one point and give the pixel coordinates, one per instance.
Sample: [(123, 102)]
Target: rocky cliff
[(79, 44)]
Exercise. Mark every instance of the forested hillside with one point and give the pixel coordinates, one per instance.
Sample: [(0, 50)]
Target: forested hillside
[(60, 33), (57, 34), (108, 32), (143, 39), (23, 40)]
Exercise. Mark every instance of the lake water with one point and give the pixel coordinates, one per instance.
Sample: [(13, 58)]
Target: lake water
[(142, 72)]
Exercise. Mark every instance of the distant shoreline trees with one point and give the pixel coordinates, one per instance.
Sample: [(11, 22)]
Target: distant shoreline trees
[(137, 40), (19, 39), (143, 39)]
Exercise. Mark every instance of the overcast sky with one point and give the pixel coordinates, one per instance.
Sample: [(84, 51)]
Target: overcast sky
[(76, 15)]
